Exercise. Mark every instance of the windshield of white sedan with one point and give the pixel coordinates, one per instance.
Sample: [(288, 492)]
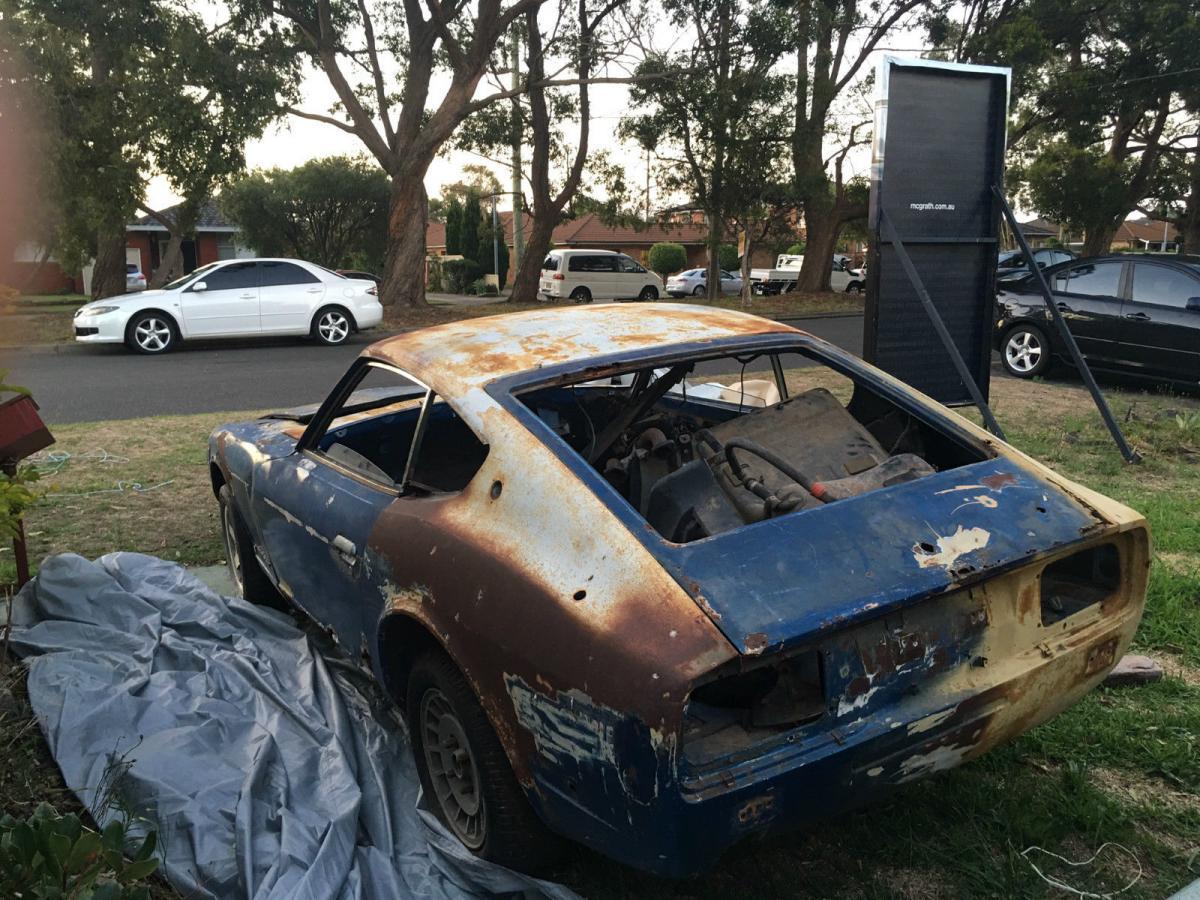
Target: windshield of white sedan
[(705, 446), (180, 282)]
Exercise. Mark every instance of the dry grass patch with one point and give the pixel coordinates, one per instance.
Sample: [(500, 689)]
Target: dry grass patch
[(1134, 787)]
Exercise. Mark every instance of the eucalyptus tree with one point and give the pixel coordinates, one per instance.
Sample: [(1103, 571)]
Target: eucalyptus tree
[(712, 111), (386, 62)]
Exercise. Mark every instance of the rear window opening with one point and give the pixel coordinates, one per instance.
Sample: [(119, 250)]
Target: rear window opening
[(739, 710), (1078, 581), (704, 446)]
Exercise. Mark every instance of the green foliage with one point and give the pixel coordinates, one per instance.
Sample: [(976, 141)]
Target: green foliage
[(796, 249), (330, 211), (666, 257), (454, 217), (437, 276), (471, 220), (480, 288), (460, 274), (488, 255), (1078, 186), (16, 496), (727, 257), (52, 856)]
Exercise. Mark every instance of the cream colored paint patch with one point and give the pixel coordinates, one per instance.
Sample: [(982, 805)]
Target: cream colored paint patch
[(951, 547)]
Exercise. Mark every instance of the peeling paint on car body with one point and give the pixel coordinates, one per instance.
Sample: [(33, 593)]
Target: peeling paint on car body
[(584, 633)]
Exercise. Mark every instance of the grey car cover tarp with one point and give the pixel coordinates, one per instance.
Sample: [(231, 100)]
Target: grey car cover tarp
[(269, 770)]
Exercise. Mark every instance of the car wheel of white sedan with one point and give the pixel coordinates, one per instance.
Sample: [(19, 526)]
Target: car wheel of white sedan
[(698, 291), (332, 326), (151, 332), (1025, 351)]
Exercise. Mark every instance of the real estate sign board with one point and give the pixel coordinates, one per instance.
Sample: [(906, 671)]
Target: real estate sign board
[(938, 149)]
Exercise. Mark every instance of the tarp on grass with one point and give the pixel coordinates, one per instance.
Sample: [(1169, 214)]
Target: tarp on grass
[(269, 770)]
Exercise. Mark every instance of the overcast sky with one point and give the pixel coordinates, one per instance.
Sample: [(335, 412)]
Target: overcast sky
[(291, 141)]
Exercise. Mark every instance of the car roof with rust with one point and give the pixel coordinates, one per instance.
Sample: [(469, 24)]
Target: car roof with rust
[(470, 353)]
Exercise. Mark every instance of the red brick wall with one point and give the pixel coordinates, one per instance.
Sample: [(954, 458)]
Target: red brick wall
[(206, 249), (49, 279), (140, 241)]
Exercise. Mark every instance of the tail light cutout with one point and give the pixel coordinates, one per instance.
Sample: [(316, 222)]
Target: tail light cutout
[(1080, 580)]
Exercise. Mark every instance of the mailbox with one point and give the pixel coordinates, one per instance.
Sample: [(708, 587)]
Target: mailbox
[(22, 432)]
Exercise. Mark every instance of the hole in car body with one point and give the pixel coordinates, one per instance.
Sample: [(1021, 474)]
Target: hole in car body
[(1081, 580)]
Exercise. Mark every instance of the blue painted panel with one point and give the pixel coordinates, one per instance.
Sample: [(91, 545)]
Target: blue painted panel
[(796, 576)]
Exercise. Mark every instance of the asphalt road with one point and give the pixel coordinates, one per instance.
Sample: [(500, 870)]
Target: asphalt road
[(80, 383)]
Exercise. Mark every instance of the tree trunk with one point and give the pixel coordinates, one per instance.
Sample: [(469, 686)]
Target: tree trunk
[(108, 273), (713, 272), (170, 266), (746, 260), (404, 264), (537, 245), (1189, 224), (822, 227), (1098, 237)]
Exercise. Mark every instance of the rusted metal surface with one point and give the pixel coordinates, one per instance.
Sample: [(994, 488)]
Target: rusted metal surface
[(583, 631)]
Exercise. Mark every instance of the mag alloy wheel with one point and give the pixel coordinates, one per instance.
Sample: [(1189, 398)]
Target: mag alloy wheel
[(1025, 351), (332, 327)]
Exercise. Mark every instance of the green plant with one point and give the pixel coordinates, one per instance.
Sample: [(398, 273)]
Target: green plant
[(796, 249), (727, 257), (436, 281), (10, 388), (481, 288), (666, 257), (459, 274), (52, 856)]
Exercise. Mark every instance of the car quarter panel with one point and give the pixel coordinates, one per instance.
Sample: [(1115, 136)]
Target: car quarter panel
[(578, 644)]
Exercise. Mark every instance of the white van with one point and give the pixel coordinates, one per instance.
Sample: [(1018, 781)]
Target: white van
[(587, 275)]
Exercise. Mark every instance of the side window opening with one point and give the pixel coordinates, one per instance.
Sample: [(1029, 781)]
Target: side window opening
[(706, 446), (396, 432)]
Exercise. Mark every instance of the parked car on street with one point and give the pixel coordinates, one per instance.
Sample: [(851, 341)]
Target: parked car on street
[(135, 280), (1130, 314), (234, 298), (586, 275), (1011, 265), (694, 282), (359, 275), (843, 277), (658, 617)]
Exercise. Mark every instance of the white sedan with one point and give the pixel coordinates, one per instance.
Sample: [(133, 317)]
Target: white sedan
[(235, 298), (694, 282)]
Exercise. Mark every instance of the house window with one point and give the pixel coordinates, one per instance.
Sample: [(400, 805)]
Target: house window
[(226, 248)]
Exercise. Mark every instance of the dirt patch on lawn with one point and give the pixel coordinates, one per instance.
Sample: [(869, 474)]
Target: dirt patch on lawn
[(1142, 790)]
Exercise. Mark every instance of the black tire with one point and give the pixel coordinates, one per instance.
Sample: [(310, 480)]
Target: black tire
[(649, 292), (699, 291), (1025, 350), (581, 295), (854, 288), (332, 326), (243, 565), (504, 829), (151, 332)]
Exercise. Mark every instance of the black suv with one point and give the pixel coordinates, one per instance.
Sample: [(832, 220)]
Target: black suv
[(1134, 314)]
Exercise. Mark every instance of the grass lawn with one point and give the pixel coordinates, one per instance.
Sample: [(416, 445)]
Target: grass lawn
[(39, 319), (1123, 765)]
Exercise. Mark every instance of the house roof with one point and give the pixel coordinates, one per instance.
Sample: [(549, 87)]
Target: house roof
[(587, 230), (1145, 230), (459, 357), (1040, 228), (210, 219)]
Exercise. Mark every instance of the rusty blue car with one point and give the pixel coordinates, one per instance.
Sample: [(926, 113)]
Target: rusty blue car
[(656, 578)]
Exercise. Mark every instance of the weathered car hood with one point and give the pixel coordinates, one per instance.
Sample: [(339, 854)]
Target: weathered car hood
[(783, 581)]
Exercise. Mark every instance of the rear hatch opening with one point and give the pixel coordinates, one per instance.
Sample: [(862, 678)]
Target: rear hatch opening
[(707, 445)]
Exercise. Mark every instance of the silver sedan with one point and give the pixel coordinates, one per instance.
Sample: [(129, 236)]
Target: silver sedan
[(694, 282)]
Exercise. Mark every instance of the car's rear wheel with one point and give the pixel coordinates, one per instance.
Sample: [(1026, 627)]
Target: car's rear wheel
[(248, 577), (151, 332), (699, 291), (465, 773), (332, 326), (581, 295), (1025, 351), (649, 292), (854, 288)]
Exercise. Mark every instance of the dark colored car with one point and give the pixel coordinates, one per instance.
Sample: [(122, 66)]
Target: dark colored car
[(656, 615), (1130, 314), (1011, 266)]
